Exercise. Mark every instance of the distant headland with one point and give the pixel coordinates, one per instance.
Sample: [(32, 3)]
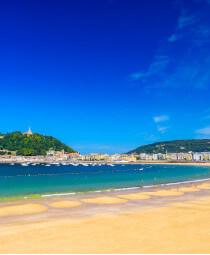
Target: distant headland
[(30, 144), (175, 146)]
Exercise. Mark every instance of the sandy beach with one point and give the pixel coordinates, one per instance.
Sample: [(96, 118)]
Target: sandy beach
[(172, 220)]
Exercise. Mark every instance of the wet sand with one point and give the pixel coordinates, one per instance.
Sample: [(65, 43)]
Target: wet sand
[(165, 193), (162, 222), (65, 204), (104, 200), (135, 196)]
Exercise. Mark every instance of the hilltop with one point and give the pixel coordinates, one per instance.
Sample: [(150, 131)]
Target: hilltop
[(30, 144), (175, 146)]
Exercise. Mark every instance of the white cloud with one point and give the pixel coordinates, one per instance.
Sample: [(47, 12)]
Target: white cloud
[(203, 131), (161, 118), (162, 129)]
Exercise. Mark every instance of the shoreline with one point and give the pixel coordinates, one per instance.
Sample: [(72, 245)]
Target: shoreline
[(170, 219), (71, 194), (189, 186)]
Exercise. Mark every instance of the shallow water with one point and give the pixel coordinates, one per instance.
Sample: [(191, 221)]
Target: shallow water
[(18, 180)]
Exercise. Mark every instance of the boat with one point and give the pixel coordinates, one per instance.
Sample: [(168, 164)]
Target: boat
[(74, 164), (84, 164), (11, 164), (48, 165), (24, 164)]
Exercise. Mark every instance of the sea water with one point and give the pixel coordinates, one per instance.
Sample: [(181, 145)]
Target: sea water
[(18, 180)]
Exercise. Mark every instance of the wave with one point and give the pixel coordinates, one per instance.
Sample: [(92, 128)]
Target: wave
[(126, 188)]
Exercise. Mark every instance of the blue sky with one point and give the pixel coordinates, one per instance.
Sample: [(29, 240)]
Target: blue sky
[(106, 75)]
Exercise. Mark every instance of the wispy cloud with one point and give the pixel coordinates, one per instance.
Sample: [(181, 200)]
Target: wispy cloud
[(174, 37), (182, 60), (185, 20), (161, 118), (157, 66), (203, 131), (162, 129)]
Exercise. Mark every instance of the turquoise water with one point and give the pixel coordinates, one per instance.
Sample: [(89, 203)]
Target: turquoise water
[(17, 180)]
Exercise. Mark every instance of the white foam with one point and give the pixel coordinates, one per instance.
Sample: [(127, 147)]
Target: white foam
[(60, 194), (174, 183), (128, 188)]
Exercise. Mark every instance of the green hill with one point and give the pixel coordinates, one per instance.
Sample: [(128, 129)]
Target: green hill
[(30, 145), (194, 145)]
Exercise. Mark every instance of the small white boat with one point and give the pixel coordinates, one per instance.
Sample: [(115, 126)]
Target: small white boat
[(48, 165), (84, 164), (11, 164), (74, 164), (24, 164)]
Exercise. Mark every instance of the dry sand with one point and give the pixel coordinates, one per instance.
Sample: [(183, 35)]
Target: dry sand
[(104, 200), (21, 209), (65, 204), (178, 228)]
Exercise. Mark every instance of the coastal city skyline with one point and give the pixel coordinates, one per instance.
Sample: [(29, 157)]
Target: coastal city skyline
[(29, 147), (138, 75)]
